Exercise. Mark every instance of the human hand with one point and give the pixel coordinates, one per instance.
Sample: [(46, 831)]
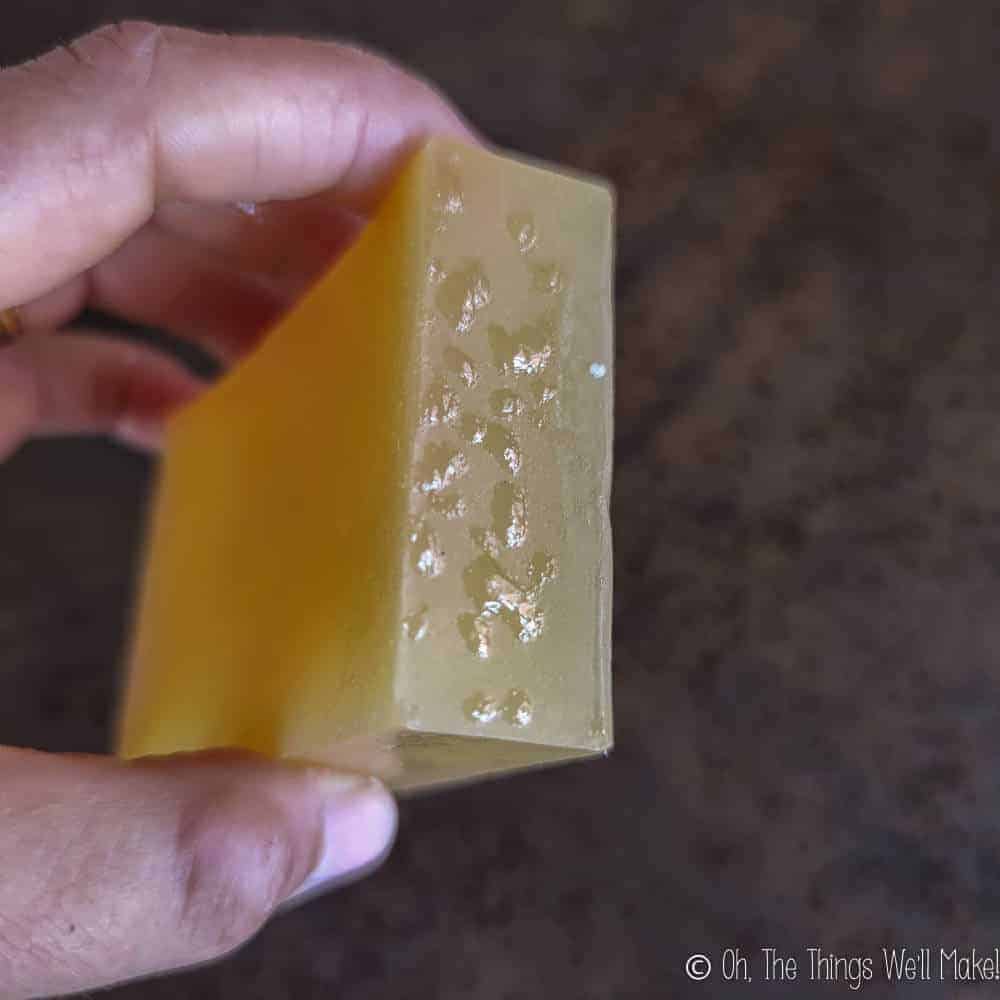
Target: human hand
[(197, 183)]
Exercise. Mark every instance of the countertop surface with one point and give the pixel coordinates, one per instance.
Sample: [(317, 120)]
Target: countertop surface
[(806, 508)]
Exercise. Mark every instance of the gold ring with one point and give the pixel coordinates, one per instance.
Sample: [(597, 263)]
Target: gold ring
[(10, 324)]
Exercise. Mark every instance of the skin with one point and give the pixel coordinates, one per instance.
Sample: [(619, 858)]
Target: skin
[(197, 183)]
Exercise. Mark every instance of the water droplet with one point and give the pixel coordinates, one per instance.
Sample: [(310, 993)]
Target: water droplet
[(477, 635), (503, 446), (462, 295), (544, 393), (526, 352), (517, 708), (417, 625), (510, 521), (448, 506), (530, 361), (441, 405), (498, 596), (462, 365), (428, 559), (250, 208), (521, 227), (532, 620), (449, 199), (441, 466), (542, 569), (436, 272), (547, 278), (506, 404), (481, 708), (473, 428), (598, 370)]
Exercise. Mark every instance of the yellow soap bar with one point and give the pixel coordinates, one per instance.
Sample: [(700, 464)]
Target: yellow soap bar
[(382, 541)]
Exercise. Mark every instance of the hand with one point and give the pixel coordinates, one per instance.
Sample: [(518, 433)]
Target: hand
[(197, 183), (193, 182)]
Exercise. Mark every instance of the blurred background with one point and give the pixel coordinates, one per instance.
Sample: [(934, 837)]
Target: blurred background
[(807, 511)]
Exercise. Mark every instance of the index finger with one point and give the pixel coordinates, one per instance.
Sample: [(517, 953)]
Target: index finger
[(95, 135)]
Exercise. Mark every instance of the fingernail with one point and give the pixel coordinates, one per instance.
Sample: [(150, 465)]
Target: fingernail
[(359, 826)]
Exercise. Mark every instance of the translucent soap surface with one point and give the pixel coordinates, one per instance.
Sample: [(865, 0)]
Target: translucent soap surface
[(382, 541)]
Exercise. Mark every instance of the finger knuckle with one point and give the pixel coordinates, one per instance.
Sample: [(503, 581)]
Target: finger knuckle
[(237, 862), (112, 68), (124, 50)]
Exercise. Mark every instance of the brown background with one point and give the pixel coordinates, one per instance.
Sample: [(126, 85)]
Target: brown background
[(807, 511)]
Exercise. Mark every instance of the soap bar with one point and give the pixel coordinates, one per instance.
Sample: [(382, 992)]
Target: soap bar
[(382, 540)]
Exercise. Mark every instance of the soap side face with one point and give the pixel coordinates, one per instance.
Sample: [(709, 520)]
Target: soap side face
[(507, 582), (270, 597)]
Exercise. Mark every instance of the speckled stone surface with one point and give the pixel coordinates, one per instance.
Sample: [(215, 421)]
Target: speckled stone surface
[(807, 513)]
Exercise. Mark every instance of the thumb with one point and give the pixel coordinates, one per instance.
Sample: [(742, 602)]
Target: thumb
[(113, 870)]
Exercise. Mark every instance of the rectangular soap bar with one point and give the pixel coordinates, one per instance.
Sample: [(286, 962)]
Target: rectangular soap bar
[(382, 541)]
